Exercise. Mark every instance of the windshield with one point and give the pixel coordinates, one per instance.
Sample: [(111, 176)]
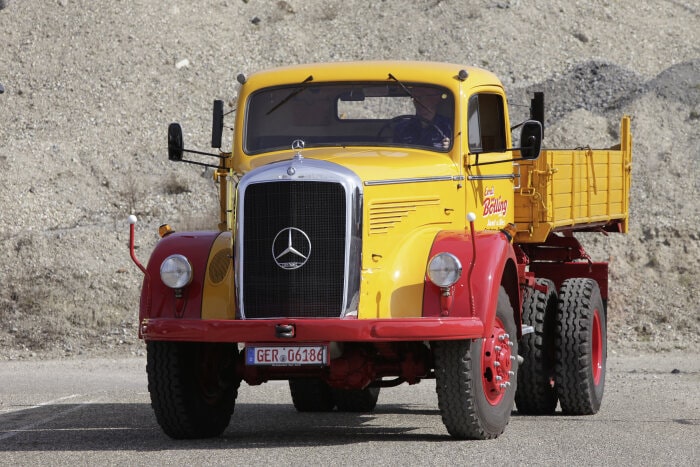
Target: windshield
[(350, 114)]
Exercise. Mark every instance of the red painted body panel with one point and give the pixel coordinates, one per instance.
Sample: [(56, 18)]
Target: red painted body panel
[(158, 300), (559, 272), (163, 316), (557, 248), (493, 251), (559, 258), (312, 330)]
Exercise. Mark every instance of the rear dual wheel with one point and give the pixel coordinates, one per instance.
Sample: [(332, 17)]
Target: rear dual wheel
[(476, 379), (564, 358), (581, 347), (315, 395), (536, 394), (356, 400), (311, 395)]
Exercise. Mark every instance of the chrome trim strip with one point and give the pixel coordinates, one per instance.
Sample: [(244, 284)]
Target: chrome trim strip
[(493, 177), (397, 181)]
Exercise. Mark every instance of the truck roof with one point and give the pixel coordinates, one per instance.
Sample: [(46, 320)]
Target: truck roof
[(445, 74)]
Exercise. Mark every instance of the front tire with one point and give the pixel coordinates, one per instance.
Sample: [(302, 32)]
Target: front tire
[(193, 387), (476, 380), (581, 345)]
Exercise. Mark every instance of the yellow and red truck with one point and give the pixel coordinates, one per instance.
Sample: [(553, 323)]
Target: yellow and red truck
[(385, 223)]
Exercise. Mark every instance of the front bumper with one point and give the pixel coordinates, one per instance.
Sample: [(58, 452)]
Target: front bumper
[(311, 330)]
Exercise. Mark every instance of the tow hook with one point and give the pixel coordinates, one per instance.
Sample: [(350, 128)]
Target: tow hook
[(286, 331)]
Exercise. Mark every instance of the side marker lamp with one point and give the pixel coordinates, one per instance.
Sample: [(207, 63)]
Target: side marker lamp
[(165, 230), (509, 231)]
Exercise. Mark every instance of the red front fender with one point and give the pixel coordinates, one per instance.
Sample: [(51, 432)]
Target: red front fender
[(160, 301), (476, 292)]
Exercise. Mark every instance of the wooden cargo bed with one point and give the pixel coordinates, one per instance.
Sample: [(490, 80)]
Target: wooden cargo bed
[(575, 190)]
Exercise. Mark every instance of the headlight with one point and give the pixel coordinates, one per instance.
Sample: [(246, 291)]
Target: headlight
[(444, 269), (176, 271)]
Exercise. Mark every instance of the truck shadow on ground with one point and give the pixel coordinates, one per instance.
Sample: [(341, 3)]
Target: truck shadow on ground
[(112, 427), (132, 427)]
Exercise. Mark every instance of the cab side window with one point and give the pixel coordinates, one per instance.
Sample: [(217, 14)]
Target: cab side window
[(486, 123)]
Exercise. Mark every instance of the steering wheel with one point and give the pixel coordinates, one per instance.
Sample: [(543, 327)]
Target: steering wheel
[(401, 119)]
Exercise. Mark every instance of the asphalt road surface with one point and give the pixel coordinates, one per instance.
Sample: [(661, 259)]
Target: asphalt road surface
[(92, 412)]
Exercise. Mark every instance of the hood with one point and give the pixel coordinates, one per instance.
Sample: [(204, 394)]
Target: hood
[(372, 164)]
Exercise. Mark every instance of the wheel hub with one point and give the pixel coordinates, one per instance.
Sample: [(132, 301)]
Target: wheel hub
[(496, 363)]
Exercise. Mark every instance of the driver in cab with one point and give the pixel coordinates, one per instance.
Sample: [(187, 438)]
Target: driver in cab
[(427, 127)]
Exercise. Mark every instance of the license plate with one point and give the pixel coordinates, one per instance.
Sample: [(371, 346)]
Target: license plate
[(295, 355)]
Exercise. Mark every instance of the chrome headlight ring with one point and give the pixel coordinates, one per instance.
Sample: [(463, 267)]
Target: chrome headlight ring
[(444, 269), (176, 271)]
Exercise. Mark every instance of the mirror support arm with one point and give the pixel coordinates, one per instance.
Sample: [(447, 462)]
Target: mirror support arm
[(203, 164), (515, 159), (191, 151)]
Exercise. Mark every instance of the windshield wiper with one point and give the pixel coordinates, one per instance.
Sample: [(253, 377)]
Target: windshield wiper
[(408, 91), (291, 94)]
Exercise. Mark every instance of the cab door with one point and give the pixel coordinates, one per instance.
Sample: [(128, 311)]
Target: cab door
[(489, 171)]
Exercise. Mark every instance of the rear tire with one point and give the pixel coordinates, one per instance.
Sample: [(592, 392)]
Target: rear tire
[(474, 403), (356, 400), (581, 346), (311, 395), (193, 387), (536, 394)]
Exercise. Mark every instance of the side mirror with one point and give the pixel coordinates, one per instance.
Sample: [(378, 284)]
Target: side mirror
[(217, 123), (175, 144), (531, 140)]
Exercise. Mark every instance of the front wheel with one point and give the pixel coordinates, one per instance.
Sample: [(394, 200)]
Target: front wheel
[(193, 387), (476, 380), (581, 346)]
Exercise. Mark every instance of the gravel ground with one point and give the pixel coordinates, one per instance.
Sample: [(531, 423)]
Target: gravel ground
[(90, 88)]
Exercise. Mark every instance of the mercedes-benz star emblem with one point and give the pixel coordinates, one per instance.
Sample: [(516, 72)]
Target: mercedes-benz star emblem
[(298, 144), (291, 248)]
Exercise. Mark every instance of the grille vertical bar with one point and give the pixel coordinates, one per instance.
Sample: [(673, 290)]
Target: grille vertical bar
[(315, 289)]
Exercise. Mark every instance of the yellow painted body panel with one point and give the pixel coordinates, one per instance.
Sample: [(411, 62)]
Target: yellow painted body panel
[(400, 222), (574, 189), (491, 200), (218, 295)]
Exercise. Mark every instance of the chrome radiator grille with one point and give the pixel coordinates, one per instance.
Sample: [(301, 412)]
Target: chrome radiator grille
[(294, 249)]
